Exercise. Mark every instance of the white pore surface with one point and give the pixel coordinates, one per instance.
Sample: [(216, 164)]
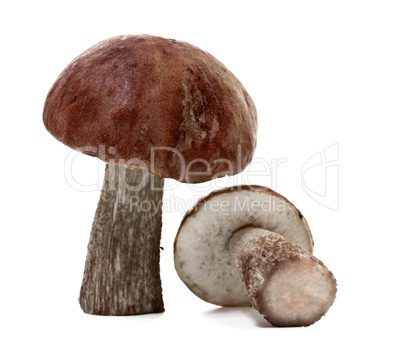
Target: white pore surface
[(202, 257)]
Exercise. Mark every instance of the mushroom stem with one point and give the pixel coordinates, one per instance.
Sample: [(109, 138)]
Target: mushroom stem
[(121, 274), (285, 283)]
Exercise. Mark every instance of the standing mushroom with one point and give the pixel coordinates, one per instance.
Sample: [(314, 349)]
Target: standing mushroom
[(252, 236), (151, 108)]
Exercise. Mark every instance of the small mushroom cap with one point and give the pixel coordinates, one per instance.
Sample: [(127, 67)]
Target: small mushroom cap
[(202, 257), (155, 104)]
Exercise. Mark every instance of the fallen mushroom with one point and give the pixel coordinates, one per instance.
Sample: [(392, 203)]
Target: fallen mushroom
[(151, 108), (248, 244)]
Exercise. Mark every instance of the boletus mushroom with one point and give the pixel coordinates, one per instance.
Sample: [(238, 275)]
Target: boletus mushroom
[(248, 244), (151, 108)]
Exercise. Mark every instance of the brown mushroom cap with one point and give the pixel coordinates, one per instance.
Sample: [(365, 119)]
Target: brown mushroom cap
[(129, 94)]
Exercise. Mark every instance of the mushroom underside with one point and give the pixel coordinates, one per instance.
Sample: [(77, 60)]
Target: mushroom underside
[(202, 257)]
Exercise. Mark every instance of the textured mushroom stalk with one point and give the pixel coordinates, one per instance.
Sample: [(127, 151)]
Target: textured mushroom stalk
[(285, 283), (121, 274)]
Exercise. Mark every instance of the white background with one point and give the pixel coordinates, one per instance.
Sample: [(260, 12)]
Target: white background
[(321, 73)]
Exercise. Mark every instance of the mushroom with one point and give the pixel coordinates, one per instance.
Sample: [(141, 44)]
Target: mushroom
[(248, 244), (151, 108)]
